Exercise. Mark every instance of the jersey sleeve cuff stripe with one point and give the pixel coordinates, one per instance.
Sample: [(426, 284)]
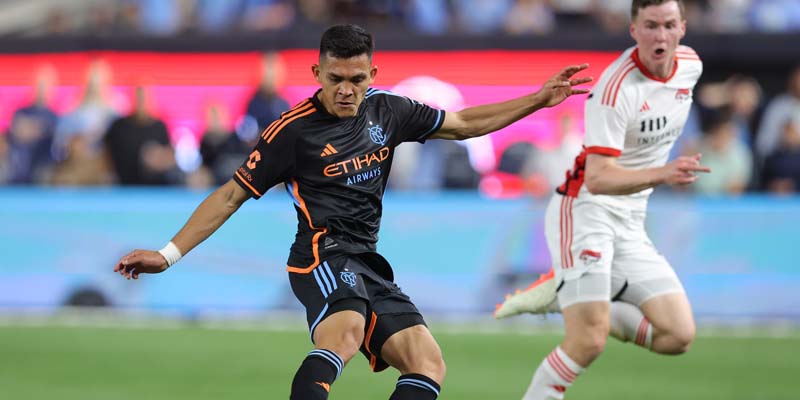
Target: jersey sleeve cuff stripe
[(605, 151), (436, 125), (245, 185)]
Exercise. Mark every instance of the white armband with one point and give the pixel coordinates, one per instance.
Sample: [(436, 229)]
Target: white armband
[(171, 253)]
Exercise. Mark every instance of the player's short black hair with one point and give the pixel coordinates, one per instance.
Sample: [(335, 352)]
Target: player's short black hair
[(345, 41), (637, 5)]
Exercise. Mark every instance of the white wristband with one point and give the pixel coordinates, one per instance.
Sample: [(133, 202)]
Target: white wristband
[(171, 253)]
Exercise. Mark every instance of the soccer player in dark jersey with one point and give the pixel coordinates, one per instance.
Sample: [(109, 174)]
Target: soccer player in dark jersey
[(333, 152)]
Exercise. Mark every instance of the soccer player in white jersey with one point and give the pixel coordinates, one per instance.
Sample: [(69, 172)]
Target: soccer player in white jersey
[(594, 224)]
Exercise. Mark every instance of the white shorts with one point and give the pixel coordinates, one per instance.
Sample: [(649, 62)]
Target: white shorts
[(593, 245)]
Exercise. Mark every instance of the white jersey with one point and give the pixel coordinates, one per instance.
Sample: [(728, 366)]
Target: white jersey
[(636, 117)]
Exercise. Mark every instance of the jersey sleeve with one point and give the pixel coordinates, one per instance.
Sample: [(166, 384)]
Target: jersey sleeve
[(272, 161), (416, 121), (606, 124)]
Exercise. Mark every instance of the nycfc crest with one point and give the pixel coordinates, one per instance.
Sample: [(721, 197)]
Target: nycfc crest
[(348, 278), (376, 134)]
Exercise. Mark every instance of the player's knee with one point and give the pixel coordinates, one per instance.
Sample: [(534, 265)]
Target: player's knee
[(682, 339), (350, 341), (345, 341), (430, 364), (594, 343)]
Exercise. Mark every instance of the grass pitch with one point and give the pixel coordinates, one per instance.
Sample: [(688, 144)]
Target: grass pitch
[(66, 363)]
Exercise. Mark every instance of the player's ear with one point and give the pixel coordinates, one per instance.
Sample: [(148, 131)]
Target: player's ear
[(372, 72), (683, 28), (315, 71)]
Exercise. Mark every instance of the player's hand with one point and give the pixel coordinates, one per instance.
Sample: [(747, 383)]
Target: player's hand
[(562, 85), (683, 170), (141, 262)]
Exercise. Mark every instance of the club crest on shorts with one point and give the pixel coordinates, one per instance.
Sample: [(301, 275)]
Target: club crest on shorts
[(348, 278), (590, 257)]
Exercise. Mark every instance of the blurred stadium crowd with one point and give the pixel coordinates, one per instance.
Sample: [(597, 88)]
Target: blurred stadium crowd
[(750, 139), (433, 17)]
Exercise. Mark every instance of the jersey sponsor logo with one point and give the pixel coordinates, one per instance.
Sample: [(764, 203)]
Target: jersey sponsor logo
[(328, 150), (348, 277), (357, 163), (653, 124), (245, 174), (364, 176), (590, 256), (255, 157), (683, 94), (376, 134)]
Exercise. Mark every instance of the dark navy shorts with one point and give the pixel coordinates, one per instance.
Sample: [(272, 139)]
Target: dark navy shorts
[(358, 282)]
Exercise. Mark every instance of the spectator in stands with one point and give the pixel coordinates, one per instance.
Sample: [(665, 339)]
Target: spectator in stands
[(30, 136), (92, 116), (613, 15), (222, 150), (139, 148), (530, 17), (83, 166), (481, 16), (218, 17), (314, 12), (775, 15), (544, 169), (778, 111), (781, 172), (268, 15), (429, 17), (745, 101), (267, 104), (726, 155)]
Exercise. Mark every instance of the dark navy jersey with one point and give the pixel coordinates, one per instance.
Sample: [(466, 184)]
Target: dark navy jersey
[(335, 169)]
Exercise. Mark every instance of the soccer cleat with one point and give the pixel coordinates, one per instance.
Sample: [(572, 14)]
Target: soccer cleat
[(538, 298)]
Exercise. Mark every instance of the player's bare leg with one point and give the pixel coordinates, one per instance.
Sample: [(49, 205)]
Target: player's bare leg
[(672, 321), (336, 340), (587, 326), (415, 353)]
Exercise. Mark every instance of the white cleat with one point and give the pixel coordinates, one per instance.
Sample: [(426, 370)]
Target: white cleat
[(538, 298)]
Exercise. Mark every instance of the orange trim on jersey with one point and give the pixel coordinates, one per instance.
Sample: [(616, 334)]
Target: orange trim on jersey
[(289, 120), (607, 91), (605, 151), (304, 105), (314, 240), (241, 179), (373, 360), (647, 73)]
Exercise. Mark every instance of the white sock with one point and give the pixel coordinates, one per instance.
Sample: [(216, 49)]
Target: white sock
[(628, 324), (554, 375)]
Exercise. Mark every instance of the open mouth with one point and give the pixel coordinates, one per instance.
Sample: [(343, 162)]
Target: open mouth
[(660, 51)]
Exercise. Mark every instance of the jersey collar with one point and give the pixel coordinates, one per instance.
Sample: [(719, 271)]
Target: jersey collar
[(647, 73)]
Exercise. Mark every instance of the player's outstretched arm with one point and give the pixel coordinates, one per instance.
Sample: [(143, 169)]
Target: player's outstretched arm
[(205, 220), (480, 120), (604, 176)]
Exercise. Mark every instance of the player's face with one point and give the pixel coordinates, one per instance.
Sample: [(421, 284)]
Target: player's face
[(344, 82), (658, 30)]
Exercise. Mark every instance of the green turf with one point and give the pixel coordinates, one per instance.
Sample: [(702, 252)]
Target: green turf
[(57, 363)]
